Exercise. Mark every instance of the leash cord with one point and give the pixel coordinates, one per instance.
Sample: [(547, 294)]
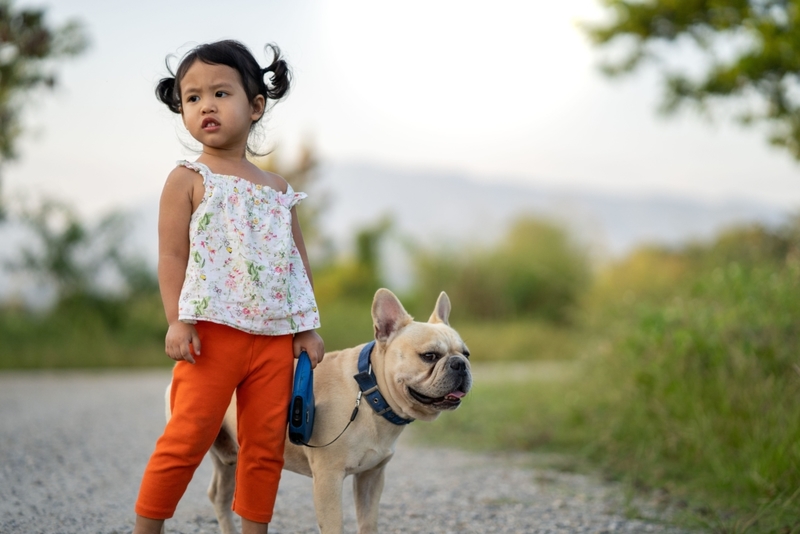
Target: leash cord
[(352, 418)]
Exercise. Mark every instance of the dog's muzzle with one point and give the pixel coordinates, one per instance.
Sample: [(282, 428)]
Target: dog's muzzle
[(461, 383)]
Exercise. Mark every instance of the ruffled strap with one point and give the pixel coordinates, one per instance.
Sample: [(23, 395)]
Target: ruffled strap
[(196, 166), (289, 199)]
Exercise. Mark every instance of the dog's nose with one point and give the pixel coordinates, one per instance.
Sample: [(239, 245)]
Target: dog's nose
[(458, 365)]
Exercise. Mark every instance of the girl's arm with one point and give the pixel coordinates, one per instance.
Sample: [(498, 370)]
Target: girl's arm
[(175, 211), (297, 233), (309, 341)]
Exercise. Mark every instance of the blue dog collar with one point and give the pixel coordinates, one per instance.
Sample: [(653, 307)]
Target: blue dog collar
[(369, 388)]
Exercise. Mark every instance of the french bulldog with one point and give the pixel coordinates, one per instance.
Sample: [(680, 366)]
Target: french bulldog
[(421, 370)]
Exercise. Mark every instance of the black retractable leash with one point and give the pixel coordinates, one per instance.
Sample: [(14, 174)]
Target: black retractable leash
[(301, 414)]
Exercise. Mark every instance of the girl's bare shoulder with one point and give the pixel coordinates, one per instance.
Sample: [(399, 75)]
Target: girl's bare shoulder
[(277, 182), (182, 173), (271, 179), (183, 179), (183, 184)]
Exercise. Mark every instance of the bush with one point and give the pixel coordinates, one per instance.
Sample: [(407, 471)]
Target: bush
[(690, 382), (536, 272), (85, 331), (702, 379)]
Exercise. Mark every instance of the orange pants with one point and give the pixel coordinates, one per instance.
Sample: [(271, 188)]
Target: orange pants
[(259, 369)]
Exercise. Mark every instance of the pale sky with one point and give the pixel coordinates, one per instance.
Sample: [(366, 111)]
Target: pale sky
[(502, 91)]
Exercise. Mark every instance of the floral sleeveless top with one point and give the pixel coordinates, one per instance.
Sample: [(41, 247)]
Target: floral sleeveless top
[(244, 269)]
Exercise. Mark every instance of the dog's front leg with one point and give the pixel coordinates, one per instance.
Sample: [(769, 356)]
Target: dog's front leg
[(328, 501), (367, 489)]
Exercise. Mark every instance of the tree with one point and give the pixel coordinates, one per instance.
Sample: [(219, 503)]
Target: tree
[(75, 258), (749, 54), (356, 278), (28, 48), (536, 271)]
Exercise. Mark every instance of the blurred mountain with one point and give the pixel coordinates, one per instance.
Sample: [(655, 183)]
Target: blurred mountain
[(449, 208)]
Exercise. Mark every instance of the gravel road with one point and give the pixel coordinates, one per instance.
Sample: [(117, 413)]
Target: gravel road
[(73, 447)]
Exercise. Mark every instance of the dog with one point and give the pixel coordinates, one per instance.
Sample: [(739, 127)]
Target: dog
[(420, 369)]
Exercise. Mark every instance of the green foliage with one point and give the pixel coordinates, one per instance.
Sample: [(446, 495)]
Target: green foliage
[(535, 272), (345, 323), (345, 289), (690, 382), (84, 332), (88, 326), (64, 251), (516, 340), (354, 279), (750, 50), (707, 382)]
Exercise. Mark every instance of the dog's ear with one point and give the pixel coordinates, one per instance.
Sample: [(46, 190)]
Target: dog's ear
[(441, 313), (388, 315)]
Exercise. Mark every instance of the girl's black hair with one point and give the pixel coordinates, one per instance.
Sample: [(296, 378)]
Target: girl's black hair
[(237, 56)]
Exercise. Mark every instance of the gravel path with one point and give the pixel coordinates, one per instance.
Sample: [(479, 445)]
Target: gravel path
[(73, 447)]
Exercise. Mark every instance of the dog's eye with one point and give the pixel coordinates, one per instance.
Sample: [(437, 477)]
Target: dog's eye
[(465, 352), (429, 356)]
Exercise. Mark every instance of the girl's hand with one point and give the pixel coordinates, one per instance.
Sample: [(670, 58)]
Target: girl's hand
[(312, 343), (181, 341)]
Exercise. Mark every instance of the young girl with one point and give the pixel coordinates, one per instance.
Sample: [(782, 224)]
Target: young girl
[(235, 283)]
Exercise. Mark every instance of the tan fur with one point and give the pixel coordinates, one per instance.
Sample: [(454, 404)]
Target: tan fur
[(368, 444)]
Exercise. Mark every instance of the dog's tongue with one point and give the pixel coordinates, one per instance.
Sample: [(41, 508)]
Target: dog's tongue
[(456, 394)]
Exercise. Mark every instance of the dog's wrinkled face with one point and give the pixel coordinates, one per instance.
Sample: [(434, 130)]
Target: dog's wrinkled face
[(426, 365)]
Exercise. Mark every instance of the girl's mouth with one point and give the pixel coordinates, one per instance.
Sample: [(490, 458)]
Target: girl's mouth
[(209, 124)]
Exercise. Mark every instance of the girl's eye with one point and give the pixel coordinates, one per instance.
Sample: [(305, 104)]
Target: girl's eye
[(220, 94), (193, 98)]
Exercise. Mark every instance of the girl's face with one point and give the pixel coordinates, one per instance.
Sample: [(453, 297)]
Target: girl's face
[(215, 108)]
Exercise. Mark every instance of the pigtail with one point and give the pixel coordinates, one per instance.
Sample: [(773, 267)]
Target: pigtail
[(166, 91), (281, 78)]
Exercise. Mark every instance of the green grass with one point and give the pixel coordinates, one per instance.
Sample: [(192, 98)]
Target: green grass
[(84, 333), (709, 395), (690, 386), (556, 410), (512, 406)]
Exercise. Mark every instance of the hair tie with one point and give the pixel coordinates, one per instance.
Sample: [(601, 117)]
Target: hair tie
[(265, 70)]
